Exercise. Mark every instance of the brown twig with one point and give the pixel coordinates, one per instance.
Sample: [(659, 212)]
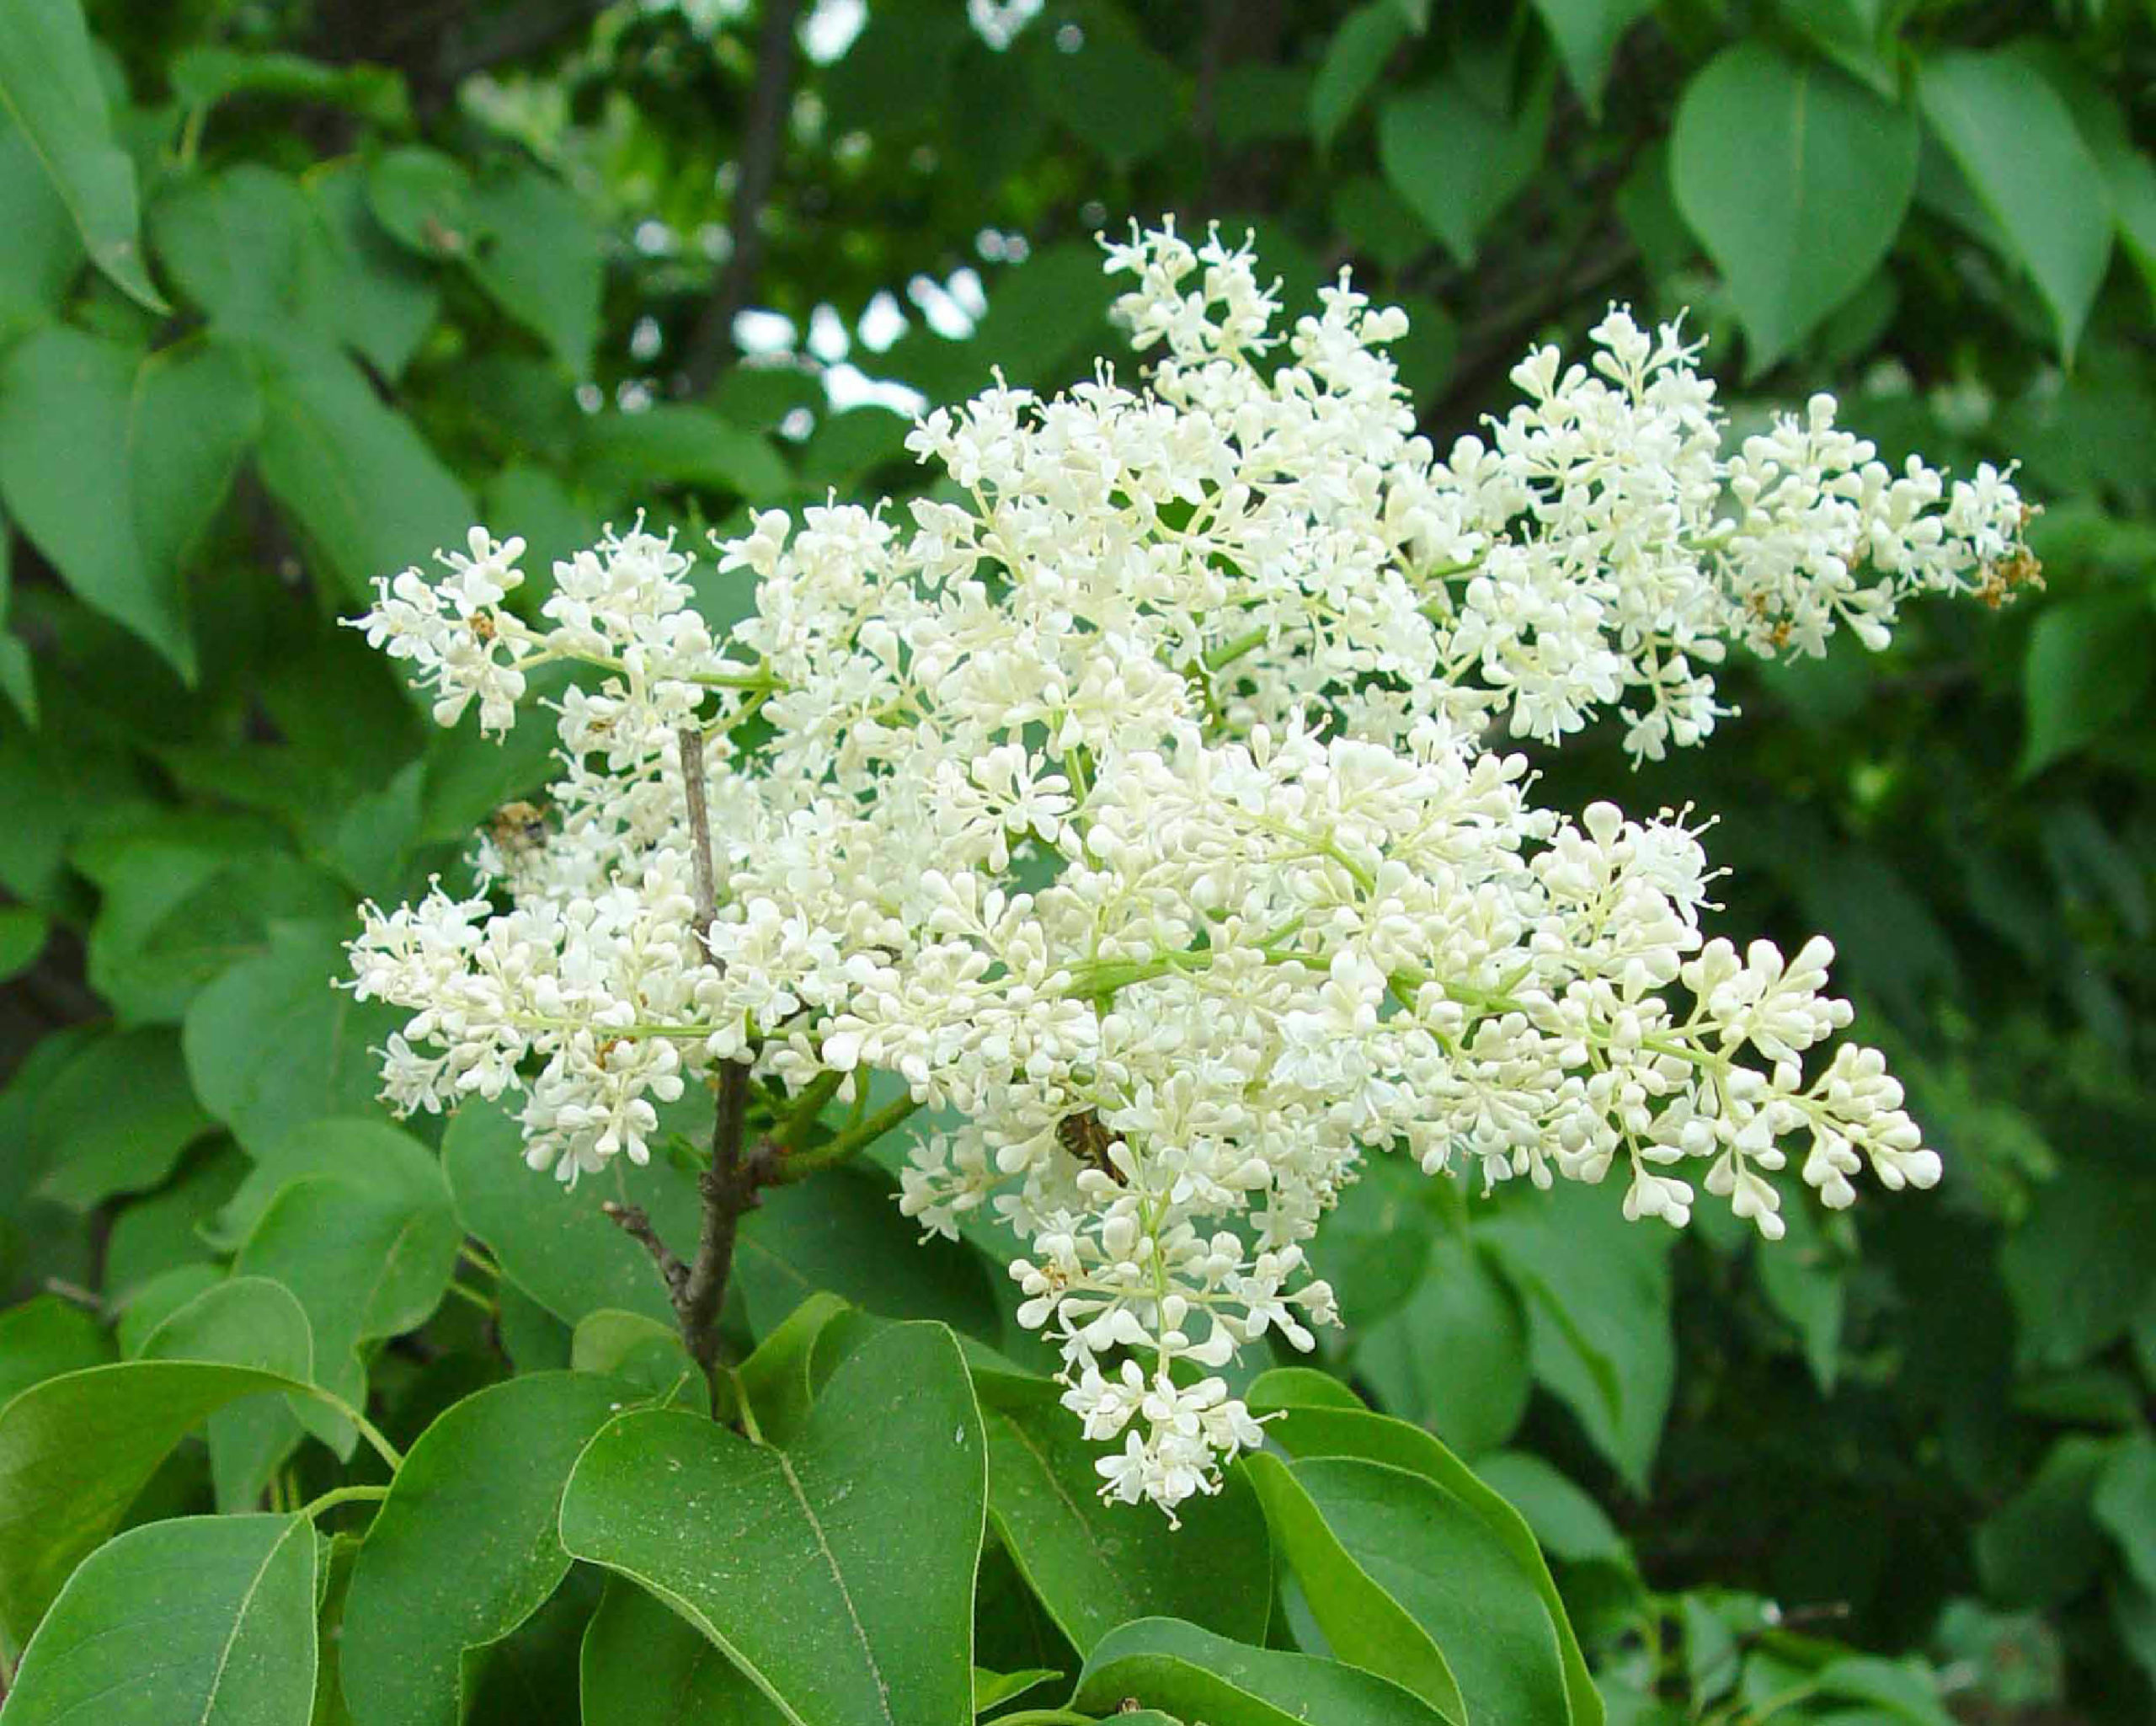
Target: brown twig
[(763, 139), (636, 1222), (729, 1188), (691, 740)]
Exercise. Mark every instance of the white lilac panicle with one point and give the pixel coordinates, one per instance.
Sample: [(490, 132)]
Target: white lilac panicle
[(1223, 665)]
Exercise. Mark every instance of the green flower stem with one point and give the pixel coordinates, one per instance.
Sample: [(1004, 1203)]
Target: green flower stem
[(800, 1165), (801, 1119)]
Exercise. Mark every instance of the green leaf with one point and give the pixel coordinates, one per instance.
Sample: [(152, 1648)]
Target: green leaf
[(1362, 1621), (1598, 1294), (843, 1233), (1796, 180), (247, 1321), (23, 934), (1436, 1556), (49, 83), (1115, 95), (363, 1266), (44, 1337), (2125, 1502), (533, 1338), (639, 1350), (163, 1230), (114, 463), (372, 497), (424, 1590), (680, 446), (42, 251), (2043, 1545), (380, 301), (991, 1689), (837, 1573), (117, 1118), (551, 1240), (534, 251), (240, 245), (317, 1062), (2089, 661), (1564, 1520), (1587, 33), (201, 76), (2015, 142), (1204, 1676), (1354, 59), (645, 1664), (187, 896), (1454, 1359), (1847, 31), (370, 1156), (1096, 1565), (154, 1298), (1323, 1420), (1456, 153), (423, 198), (19, 677), (207, 1619), (76, 1450), (778, 1380)]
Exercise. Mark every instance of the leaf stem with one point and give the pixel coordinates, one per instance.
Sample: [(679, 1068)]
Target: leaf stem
[(367, 1430), (342, 1495)]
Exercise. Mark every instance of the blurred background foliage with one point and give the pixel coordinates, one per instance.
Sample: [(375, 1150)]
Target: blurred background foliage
[(317, 283)]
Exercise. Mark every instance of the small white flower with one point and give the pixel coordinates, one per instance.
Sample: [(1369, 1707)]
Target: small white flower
[(1142, 802)]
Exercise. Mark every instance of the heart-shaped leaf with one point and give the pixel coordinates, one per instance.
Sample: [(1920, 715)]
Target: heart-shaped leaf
[(1795, 178), (837, 1573)]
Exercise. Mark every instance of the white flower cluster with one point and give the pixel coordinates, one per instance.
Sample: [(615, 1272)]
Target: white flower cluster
[(1133, 795)]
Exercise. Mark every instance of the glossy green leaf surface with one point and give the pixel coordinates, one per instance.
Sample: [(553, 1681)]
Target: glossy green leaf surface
[(1198, 1675), (75, 1449), (208, 1620), (862, 1604), (642, 1661), (1096, 1565), (422, 1590)]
